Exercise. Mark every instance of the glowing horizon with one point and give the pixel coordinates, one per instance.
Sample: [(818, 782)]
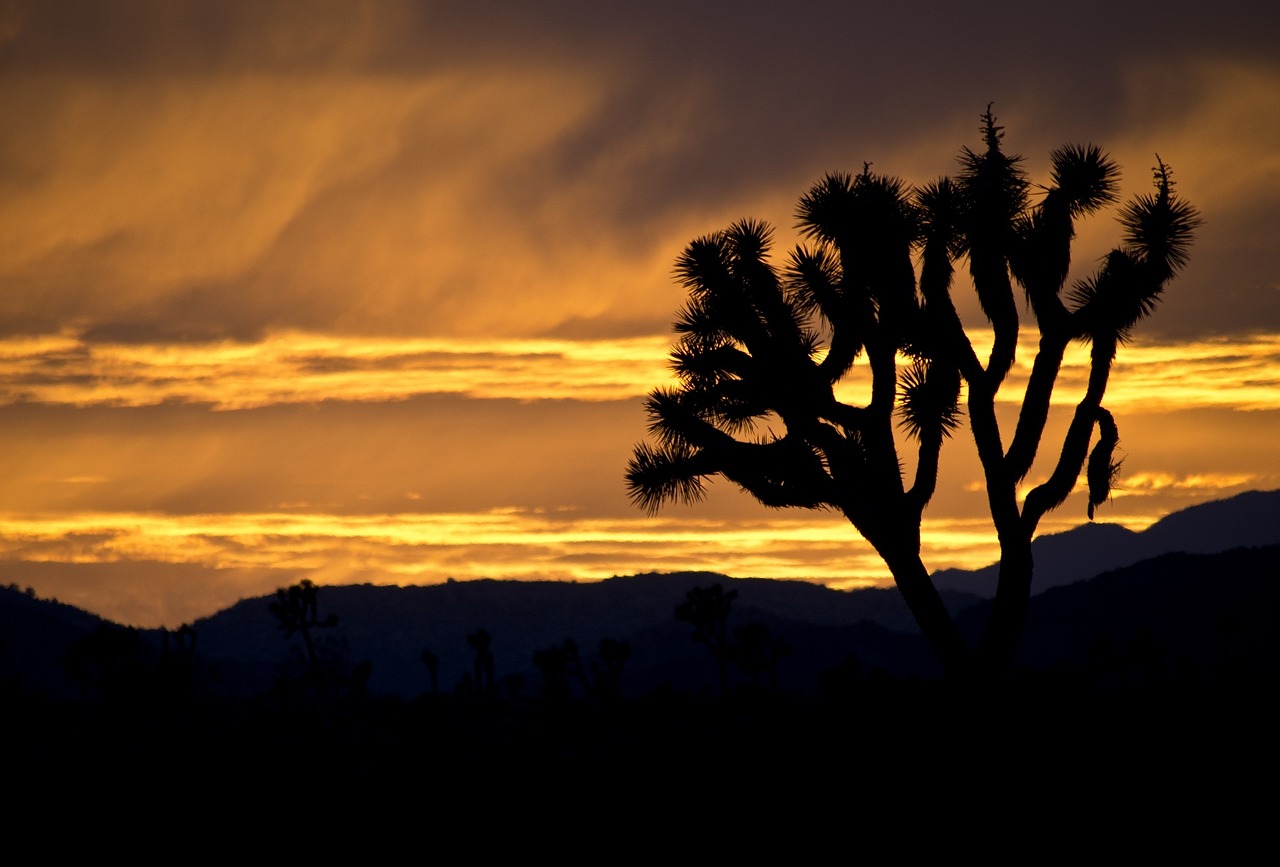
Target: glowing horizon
[(297, 367), (501, 544)]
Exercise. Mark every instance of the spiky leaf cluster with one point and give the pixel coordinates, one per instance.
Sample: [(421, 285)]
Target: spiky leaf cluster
[(930, 401), (759, 351), (1158, 230)]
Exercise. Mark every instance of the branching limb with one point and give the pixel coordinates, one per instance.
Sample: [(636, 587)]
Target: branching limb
[(782, 473), (1075, 446), (925, 483), (1035, 404), (993, 194)]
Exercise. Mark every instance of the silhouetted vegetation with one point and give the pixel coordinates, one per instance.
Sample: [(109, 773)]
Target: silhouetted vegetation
[(482, 681), (751, 647), (297, 610), (562, 666), (757, 652), (326, 668), (432, 662), (113, 663), (1116, 705), (707, 610), (765, 354)]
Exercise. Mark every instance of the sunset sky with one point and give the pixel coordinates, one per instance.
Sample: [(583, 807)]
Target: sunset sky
[(373, 292)]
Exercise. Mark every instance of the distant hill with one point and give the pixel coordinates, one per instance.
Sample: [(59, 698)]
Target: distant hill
[(393, 625), (1190, 603), (1248, 519), (35, 635), (1161, 618)]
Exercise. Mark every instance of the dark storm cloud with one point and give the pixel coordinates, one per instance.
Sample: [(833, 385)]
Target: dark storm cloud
[(535, 167)]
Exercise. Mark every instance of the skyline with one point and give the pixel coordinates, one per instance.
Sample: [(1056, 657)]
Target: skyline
[(375, 293)]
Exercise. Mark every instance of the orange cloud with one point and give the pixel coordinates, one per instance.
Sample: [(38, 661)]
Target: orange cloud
[(292, 368), (501, 543)]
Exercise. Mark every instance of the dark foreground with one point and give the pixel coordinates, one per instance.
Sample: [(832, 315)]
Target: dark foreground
[(1195, 760)]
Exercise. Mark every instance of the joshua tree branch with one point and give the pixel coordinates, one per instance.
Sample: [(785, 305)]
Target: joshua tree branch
[(1075, 446), (1035, 404)]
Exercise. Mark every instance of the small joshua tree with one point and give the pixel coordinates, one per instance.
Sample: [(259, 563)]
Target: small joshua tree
[(707, 610), (482, 643), (432, 662), (296, 610), (762, 350), (757, 652), (562, 664)]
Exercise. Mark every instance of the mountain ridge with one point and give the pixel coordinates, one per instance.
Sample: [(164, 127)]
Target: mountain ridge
[(826, 629), (1247, 519)]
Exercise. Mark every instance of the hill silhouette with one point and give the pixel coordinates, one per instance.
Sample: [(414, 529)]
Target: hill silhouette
[(35, 637), (395, 624), (1147, 684), (1247, 519), (389, 628), (1178, 615)]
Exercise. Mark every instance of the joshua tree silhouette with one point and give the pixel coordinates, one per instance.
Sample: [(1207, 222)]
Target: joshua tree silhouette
[(707, 610), (562, 664), (112, 662), (558, 664), (757, 652), (432, 662), (177, 663), (761, 353), (482, 643), (607, 667), (296, 610)]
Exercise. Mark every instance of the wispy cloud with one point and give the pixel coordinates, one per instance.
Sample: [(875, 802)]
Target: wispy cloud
[(502, 543), (308, 368), (293, 368)]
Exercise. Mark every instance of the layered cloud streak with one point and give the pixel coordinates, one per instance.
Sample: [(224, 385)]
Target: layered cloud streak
[(293, 368)]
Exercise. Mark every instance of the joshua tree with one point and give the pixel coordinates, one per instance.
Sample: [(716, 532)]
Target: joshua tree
[(762, 351), (432, 662), (296, 610), (757, 652), (707, 610), (561, 664), (557, 664), (610, 660), (177, 663), (482, 643), (113, 662)]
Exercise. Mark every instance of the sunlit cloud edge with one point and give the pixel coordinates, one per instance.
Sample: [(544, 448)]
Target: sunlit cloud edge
[(302, 368)]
